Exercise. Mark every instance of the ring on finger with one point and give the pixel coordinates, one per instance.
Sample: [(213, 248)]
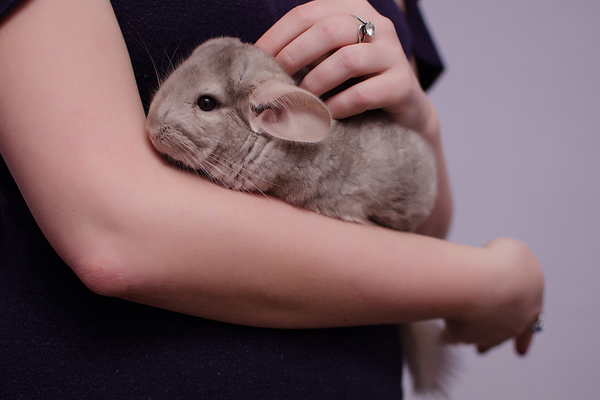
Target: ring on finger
[(539, 324), (365, 29)]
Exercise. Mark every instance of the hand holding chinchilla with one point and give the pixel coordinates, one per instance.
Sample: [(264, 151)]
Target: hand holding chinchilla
[(230, 112)]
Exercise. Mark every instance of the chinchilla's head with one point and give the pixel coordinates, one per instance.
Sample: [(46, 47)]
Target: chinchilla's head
[(230, 102)]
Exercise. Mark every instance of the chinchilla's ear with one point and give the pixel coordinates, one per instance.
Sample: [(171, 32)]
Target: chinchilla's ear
[(287, 112)]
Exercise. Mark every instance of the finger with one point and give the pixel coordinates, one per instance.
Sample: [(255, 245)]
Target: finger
[(482, 349), (523, 342), (301, 18), (348, 62), (487, 345), (369, 94), (326, 36), (288, 27)]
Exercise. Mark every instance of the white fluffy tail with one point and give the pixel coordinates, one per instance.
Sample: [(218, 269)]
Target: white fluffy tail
[(429, 360)]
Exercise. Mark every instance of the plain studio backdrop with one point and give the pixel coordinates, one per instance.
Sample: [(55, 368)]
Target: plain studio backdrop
[(519, 104)]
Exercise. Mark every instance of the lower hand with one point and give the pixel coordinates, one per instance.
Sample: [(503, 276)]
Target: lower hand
[(512, 305)]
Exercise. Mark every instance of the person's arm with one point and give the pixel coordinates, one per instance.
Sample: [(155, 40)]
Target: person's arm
[(129, 225)]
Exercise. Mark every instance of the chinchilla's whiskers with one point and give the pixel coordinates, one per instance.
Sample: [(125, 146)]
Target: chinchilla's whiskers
[(143, 43), (199, 171), (223, 160), (205, 173), (231, 170), (216, 159), (173, 66), (212, 176), (163, 73), (219, 181)]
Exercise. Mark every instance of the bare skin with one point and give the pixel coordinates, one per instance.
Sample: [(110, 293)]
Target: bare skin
[(72, 133)]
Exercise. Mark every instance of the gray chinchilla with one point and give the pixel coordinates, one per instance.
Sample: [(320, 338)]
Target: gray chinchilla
[(230, 112)]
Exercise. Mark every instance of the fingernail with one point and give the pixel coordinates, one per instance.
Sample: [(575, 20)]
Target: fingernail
[(522, 350)]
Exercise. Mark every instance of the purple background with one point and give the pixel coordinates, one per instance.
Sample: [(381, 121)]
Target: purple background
[(520, 111)]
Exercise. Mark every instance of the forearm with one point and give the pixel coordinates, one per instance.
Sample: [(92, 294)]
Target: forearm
[(250, 260)]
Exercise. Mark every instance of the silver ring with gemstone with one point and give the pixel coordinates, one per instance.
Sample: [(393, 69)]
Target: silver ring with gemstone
[(365, 29), (539, 324)]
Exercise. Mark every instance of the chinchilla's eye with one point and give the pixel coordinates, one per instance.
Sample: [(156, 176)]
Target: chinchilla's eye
[(206, 103)]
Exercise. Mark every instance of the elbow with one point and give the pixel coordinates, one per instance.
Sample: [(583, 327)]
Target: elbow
[(105, 272)]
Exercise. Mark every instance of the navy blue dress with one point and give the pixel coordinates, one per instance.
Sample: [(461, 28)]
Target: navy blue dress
[(58, 340)]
